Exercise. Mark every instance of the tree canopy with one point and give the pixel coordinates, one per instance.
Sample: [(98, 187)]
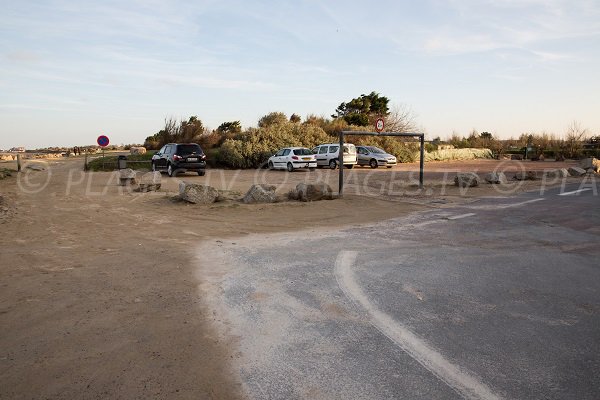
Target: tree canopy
[(363, 110)]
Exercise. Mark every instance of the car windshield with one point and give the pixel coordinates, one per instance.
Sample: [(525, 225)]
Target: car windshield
[(187, 149), (376, 150), (303, 152)]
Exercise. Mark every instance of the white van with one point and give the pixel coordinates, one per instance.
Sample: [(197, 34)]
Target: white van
[(328, 155)]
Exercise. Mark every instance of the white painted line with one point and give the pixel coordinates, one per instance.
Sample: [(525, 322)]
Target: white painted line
[(453, 217), (463, 382), (575, 192), (502, 206)]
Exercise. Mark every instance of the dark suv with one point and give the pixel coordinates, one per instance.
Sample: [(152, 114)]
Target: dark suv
[(179, 158)]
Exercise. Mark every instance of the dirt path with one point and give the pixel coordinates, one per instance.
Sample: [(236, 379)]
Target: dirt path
[(99, 297)]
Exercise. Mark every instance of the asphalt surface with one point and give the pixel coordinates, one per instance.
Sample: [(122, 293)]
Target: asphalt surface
[(499, 298)]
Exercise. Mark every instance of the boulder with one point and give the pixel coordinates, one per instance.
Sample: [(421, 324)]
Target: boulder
[(260, 193), (496, 177), (197, 194), (127, 177), (149, 182), (556, 173), (137, 150), (590, 163), (466, 179), (311, 192), (151, 177), (527, 176), (576, 171)]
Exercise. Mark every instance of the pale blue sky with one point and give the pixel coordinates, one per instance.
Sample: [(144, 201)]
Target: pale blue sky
[(71, 70)]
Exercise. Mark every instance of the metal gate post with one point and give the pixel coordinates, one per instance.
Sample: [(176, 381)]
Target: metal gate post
[(422, 161), (341, 165)]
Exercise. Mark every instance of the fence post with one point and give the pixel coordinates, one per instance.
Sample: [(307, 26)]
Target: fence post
[(85, 165), (18, 163)]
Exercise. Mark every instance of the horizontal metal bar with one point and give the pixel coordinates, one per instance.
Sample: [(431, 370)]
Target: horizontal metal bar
[(356, 133)]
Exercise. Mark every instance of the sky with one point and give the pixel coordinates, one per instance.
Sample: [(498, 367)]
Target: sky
[(73, 70)]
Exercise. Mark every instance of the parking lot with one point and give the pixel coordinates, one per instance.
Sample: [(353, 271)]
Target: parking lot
[(497, 298), (101, 294)]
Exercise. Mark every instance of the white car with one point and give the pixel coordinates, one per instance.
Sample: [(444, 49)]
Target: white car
[(292, 158), (328, 155)]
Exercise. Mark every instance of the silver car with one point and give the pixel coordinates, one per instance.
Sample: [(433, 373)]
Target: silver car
[(374, 157)]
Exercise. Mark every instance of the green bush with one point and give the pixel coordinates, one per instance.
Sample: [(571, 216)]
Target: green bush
[(109, 163), (253, 147)]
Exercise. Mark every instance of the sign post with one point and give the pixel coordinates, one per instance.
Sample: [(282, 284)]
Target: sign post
[(102, 142)]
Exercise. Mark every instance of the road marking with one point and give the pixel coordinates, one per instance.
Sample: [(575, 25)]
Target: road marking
[(502, 206), (575, 192), (453, 217), (463, 382)]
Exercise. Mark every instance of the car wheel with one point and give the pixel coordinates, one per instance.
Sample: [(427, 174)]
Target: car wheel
[(170, 171), (290, 167), (201, 173), (332, 164), (389, 166), (271, 166), (373, 163), (349, 166), (311, 169)]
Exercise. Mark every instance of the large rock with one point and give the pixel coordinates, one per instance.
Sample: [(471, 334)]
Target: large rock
[(527, 176), (590, 163), (556, 173), (137, 150), (149, 182), (496, 178), (197, 194), (576, 171), (466, 179), (127, 177), (151, 177), (260, 194), (311, 192)]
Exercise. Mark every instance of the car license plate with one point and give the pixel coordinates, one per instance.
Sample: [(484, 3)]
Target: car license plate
[(306, 158), (192, 159)]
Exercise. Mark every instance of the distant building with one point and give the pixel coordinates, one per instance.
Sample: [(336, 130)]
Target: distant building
[(17, 150)]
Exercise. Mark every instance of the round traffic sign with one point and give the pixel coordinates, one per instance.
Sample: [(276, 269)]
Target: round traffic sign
[(379, 124), (102, 141)]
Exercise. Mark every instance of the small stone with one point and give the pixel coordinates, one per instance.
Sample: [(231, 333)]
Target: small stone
[(36, 167)]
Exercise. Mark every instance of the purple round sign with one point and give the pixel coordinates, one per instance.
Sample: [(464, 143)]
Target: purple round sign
[(102, 141)]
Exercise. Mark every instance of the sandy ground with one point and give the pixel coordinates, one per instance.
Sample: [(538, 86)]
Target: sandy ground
[(99, 298)]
